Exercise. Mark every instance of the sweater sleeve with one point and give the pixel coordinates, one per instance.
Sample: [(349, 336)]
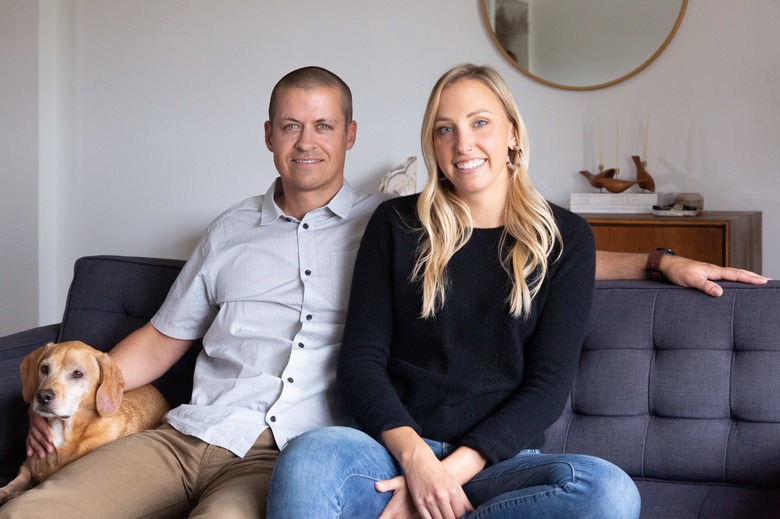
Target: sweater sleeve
[(363, 382), (552, 354)]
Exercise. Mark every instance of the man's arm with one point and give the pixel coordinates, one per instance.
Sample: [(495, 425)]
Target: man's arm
[(146, 354), (678, 270)]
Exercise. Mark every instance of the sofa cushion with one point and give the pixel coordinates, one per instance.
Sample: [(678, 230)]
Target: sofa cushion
[(662, 499)]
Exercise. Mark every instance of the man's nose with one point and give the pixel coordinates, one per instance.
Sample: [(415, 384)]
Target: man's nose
[(306, 140)]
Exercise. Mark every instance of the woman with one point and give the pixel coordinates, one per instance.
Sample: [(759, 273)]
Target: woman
[(469, 306)]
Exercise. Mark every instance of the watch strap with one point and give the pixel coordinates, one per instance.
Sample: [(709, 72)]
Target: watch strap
[(652, 269)]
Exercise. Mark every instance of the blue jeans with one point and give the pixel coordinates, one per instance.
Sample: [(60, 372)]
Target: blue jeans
[(331, 472)]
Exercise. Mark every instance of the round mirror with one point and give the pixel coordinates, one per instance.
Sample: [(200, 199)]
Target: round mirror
[(578, 45)]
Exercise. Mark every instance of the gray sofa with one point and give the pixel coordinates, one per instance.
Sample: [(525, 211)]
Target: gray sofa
[(679, 389)]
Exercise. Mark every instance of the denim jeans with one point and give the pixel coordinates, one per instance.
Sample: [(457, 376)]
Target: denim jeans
[(330, 472)]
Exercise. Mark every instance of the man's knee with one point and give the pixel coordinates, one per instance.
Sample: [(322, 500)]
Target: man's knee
[(610, 489), (35, 503)]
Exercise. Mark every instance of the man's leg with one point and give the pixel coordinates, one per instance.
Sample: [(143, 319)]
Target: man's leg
[(139, 475), (330, 472), (237, 487), (533, 485)]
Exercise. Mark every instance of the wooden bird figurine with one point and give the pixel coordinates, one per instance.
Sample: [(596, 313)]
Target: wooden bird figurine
[(595, 180), (643, 178), (604, 180)]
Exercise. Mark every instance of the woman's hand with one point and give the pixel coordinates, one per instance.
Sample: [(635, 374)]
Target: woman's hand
[(400, 505), (432, 488), (39, 441), (434, 494)]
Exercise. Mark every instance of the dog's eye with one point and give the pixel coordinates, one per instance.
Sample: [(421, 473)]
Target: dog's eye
[(77, 374), (45, 369)]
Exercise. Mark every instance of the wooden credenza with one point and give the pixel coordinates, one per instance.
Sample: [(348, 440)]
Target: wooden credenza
[(726, 238)]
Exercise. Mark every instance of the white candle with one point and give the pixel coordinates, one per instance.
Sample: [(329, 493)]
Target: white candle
[(617, 145), (601, 156)]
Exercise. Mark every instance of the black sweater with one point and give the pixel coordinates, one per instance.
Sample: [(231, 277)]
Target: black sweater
[(473, 375)]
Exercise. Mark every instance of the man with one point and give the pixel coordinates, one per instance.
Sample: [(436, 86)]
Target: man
[(266, 289)]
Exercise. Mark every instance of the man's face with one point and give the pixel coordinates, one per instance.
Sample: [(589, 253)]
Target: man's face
[(309, 138)]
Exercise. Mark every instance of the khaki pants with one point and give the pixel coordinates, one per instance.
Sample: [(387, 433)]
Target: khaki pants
[(158, 473)]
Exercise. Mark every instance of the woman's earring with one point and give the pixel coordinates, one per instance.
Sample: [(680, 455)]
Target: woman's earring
[(517, 151)]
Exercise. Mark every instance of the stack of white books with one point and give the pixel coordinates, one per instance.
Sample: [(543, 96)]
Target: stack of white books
[(634, 203)]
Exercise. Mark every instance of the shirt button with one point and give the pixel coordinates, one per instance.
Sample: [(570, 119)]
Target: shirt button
[(290, 380), (307, 272), (273, 418), (300, 345), (306, 226), (309, 317), (288, 219)]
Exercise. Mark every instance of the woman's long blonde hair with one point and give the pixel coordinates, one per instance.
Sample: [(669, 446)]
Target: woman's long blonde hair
[(446, 219)]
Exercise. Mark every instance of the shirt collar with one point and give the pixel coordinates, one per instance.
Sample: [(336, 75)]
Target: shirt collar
[(340, 204)]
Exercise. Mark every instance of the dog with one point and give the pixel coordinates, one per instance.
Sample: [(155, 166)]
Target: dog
[(79, 391)]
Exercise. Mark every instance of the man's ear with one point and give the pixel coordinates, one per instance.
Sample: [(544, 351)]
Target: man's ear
[(351, 133), (269, 130)]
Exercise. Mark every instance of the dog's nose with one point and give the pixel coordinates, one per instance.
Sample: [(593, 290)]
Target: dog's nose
[(45, 396)]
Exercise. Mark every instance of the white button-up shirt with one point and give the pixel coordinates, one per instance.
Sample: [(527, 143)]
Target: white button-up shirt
[(268, 294)]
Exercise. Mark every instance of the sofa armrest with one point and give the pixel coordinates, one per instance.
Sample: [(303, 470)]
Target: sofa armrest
[(11, 346), (13, 425)]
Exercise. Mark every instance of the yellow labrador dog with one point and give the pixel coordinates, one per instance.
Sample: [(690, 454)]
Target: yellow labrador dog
[(79, 391)]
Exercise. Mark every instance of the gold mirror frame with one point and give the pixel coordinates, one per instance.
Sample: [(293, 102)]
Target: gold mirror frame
[(642, 66)]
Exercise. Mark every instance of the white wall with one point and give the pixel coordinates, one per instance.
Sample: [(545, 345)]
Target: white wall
[(18, 165), (160, 106)]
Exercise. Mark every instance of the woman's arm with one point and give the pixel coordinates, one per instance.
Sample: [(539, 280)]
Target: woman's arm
[(365, 387)]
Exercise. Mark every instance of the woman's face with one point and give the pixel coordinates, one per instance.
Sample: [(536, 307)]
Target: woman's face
[(471, 138)]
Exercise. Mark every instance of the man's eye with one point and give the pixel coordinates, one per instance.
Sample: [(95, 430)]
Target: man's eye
[(324, 126), (290, 127)]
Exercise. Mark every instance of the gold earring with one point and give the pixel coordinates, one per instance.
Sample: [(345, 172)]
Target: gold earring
[(518, 151)]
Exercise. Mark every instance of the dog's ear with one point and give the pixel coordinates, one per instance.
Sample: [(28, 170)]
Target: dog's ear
[(110, 388), (29, 369)]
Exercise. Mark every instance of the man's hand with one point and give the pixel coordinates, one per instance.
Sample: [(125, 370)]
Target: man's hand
[(39, 441), (696, 274), (676, 269)]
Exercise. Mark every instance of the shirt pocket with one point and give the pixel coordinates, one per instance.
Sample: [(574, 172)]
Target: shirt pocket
[(342, 265)]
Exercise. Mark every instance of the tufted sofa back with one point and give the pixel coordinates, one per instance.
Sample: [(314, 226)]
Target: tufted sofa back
[(674, 385)]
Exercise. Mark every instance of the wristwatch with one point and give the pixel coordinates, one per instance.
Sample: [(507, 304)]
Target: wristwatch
[(654, 260)]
